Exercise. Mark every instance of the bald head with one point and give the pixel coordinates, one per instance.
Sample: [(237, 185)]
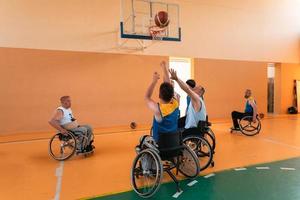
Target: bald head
[(65, 101)]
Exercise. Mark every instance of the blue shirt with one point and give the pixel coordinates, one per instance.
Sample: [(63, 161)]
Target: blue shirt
[(248, 107), (169, 119)]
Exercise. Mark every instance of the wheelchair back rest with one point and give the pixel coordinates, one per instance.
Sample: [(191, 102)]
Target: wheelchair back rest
[(193, 131), (203, 125), (169, 145)]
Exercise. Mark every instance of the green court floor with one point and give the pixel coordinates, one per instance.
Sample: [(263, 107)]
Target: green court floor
[(269, 181)]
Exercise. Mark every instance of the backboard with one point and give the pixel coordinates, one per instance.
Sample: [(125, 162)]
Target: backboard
[(137, 16)]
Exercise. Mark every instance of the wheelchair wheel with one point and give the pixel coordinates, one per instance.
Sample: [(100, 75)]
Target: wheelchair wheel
[(62, 147), (248, 127), (201, 148), (146, 173), (210, 138), (188, 163)]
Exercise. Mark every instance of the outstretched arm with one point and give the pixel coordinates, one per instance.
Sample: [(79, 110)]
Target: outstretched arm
[(194, 97), (149, 101), (165, 68)]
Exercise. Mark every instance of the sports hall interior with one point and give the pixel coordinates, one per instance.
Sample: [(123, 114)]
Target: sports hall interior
[(49, 49)]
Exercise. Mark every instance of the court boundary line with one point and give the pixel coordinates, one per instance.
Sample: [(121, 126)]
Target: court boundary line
[(279, 143), (59, 173), (48, 138)]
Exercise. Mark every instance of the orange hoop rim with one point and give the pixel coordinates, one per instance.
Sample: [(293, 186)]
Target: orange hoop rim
[(157, 32)]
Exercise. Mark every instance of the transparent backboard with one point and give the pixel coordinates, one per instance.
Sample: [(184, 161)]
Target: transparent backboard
[(137, 16)]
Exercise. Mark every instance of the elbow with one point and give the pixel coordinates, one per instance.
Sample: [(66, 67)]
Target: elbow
[(50, 122), (146, 98)]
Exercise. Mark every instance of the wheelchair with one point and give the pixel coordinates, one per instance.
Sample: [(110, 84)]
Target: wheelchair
[(248, 127), (64, 146), (206, 133), (153, 159), (202, 141)]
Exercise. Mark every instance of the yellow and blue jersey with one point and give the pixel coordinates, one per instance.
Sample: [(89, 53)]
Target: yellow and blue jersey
[(169, 119)]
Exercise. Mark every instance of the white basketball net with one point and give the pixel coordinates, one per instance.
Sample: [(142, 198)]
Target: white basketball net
[(157, 33)]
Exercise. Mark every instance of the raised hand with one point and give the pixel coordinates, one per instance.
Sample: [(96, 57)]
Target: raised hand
[(163, 64), (173, 74), (156, 76)]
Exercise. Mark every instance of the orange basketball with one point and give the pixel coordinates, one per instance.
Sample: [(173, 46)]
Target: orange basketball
[(133, 125), (261, 115), (161, 19)]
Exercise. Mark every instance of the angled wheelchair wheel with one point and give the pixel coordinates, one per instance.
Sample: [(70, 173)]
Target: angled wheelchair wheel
[(210, 138), (62, 147), (248, 127), (188, 163), (146, 173), (201, 148)]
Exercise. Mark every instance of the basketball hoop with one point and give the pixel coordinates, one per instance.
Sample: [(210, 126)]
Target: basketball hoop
[(157, 33)]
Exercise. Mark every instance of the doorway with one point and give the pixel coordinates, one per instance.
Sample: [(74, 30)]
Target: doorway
[(183, 66), (271, 81)]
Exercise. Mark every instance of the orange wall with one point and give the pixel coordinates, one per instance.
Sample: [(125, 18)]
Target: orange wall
[(289, 73), (107, 89), (225, 82)]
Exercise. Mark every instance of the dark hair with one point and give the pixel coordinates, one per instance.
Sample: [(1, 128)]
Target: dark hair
[(166, 92), (191, 83), (64, 98)]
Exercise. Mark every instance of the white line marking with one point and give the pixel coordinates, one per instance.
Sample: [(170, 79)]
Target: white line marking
[(177, 194), (209, 175), (192, 183), (59, 174), (287, 168), (280, 143), (240, 169), (262, 167)]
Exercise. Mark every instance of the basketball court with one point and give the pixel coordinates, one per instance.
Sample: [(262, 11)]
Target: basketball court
[(99, 57)]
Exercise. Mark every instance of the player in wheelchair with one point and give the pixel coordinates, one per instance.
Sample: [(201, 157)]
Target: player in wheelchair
[(164, 150), (71, 137), (247, 122), (195, 128)]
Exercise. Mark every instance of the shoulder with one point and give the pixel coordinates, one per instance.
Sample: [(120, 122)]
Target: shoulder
[(175, 102)]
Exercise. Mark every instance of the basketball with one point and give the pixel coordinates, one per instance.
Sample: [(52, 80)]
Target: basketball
[(161, 19), (133, 125), (261, 115)]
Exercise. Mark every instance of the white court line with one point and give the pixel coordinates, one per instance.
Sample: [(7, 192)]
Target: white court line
[(287, 168), (280, 143), (262, 167), (240, 169), (192, 183), (177, 194), (59, 174), (209, 175)]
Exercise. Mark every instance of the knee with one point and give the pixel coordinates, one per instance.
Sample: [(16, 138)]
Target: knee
[(88, 127)]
